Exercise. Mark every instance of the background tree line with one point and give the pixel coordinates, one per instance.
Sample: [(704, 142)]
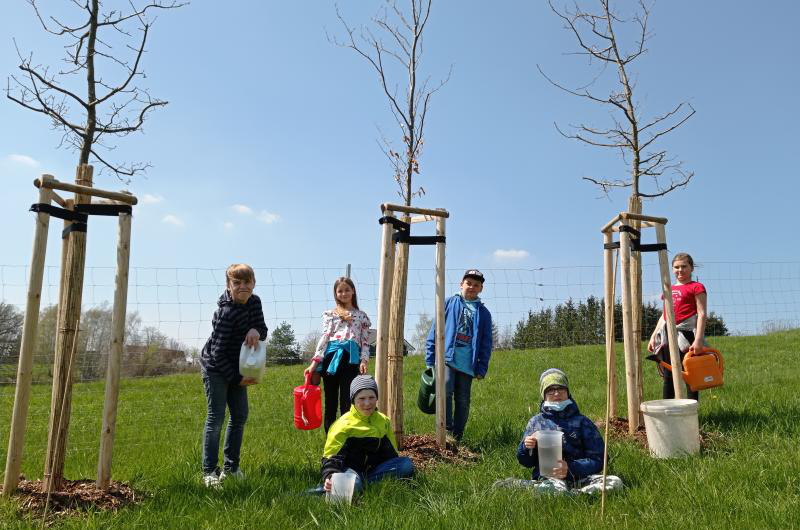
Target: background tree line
[(571, 323), (148, 351)]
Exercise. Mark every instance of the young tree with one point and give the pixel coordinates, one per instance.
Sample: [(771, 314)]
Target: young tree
[(393, 48)]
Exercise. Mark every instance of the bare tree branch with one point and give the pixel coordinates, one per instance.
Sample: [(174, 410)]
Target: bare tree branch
[(403, 30), (44, 93), (596, 38)]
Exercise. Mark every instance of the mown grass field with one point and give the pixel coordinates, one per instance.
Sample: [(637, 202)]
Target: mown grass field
[(748, 478)]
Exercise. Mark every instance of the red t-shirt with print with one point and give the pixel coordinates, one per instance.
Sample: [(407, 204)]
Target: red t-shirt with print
[(684, 299)]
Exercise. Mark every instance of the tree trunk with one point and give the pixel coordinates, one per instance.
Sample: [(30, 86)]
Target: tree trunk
[(69, 313)]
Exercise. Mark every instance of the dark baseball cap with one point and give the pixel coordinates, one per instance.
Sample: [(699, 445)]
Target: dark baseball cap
[(475, 274)]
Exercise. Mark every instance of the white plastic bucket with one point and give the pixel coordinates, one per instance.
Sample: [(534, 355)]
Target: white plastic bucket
[(549, 448), (342, 486), (672, 427)]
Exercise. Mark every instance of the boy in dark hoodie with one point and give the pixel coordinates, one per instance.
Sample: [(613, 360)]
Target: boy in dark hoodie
[(238, 319), (582, 449)]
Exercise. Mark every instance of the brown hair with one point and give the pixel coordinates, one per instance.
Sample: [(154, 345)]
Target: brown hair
[(239, 271), (349, 282), (684, 257)]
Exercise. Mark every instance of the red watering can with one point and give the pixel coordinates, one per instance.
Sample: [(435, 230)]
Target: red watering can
[(307, 406)]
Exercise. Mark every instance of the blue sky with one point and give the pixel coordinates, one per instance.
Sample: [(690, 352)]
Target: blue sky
[(267, 152)]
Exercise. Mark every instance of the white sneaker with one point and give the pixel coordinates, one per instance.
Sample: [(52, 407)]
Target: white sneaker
[(211, 480), (238, 474)]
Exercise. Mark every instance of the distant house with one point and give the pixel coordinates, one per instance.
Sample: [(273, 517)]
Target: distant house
[(408, 348)]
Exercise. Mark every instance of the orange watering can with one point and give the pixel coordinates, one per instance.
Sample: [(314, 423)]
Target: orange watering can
[(307, 406), (701, 369)]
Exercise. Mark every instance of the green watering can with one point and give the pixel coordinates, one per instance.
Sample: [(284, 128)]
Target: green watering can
[(426, 399)]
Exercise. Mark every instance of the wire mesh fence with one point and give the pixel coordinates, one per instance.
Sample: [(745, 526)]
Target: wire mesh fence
[(170, 309)]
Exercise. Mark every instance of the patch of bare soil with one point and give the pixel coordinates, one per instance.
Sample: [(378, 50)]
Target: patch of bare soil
[(618, 429), (425, 453), (74, 497)]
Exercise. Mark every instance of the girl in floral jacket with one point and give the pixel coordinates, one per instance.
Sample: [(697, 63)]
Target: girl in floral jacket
[(343, 349)]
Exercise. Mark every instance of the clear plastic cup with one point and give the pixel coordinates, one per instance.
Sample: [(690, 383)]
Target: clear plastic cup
[(342, 486), (548, 444)]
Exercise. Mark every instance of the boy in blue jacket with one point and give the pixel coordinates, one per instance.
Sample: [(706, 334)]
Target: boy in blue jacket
[(467, 348), (582, 449)]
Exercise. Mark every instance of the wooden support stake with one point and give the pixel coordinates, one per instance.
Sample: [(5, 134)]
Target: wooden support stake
[(635, 206), (669, 314), (413, 209), (87, 190), (22, 395), (397, 314), (611, 359), (441, 434), (631, 384), (384, 301), (69, 314), (115, 358)]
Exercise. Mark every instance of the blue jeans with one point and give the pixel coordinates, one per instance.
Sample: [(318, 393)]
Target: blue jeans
[(458, 386), (219, 393), (398, 467)]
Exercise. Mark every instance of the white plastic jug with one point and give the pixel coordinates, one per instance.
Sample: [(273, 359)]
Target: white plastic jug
[(548, 444), (342, 487), (253, 361), (672, 427)]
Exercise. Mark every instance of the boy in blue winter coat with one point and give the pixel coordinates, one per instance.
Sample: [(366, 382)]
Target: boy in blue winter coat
[(467, 348), (582, 446)]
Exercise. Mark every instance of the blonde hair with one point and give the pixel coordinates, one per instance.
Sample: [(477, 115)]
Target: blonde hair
[(239, 271)]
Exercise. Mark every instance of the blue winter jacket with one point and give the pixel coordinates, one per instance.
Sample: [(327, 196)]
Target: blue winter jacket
[(582, 446), (481, 335)]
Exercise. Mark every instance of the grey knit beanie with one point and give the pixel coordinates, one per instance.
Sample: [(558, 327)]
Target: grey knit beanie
[(362, 382)]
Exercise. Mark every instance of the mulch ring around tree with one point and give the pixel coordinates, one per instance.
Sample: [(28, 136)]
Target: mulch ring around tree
[(74, 497), (425, 453), (618, 429)]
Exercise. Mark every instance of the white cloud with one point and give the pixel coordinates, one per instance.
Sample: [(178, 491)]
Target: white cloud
[(25, 160), (228, 225), (268, 217), (172, 220), (510, 254), (242, 209), (151, 199)]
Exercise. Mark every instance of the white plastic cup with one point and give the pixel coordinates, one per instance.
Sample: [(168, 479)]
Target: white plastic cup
[(548, 444), (342, 486)]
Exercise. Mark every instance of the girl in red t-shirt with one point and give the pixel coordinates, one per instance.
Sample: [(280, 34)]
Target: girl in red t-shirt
[(689, 300)]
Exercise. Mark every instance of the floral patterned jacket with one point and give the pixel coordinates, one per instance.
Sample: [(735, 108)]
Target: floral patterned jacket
[(336, 328)]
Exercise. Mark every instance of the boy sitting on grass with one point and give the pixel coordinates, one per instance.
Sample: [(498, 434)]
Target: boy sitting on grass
[(582, 446), (362, 442)]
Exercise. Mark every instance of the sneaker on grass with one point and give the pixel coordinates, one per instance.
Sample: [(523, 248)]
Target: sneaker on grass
[(211, 480), (238, 475)]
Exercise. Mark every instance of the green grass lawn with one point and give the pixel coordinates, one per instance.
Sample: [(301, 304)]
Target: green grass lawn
[(749, 477)]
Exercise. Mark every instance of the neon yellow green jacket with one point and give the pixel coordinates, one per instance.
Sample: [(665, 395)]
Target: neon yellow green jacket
[(358, 442)]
